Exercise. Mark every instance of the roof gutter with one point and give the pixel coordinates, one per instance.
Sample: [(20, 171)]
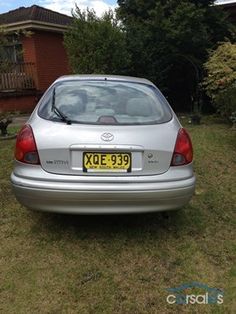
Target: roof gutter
[(38, 25)]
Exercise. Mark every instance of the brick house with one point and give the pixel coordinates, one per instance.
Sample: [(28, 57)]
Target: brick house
[(35, 53)]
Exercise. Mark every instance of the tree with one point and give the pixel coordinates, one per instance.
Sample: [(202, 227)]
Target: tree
[(8, 38), (169, 40), (96, 45), (3, 43), (220, 82)]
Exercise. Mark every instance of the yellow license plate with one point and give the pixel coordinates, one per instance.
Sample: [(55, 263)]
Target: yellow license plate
[(115, 162)]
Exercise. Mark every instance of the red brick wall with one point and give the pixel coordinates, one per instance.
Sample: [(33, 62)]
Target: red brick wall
[(29, 54), (46, 51), (22, 103), (51, 58)]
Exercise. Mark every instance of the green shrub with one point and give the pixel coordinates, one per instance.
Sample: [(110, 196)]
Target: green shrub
[(220, 83), (96, 44)]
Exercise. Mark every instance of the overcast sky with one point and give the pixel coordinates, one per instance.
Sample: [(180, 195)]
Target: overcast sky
[(65, 6)]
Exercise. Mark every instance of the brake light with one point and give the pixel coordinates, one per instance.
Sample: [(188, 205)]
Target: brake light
[(183, 153), (26, 149)]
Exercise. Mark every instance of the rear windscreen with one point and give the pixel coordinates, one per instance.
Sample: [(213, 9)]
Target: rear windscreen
[(105, 102)]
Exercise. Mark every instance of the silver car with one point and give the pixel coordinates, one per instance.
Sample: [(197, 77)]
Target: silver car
[(103, 144)]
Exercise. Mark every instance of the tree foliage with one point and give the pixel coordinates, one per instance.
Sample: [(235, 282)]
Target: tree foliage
[(96, 45), (3, 43), (169, 40), (165, 41), (220, 82), (8, 38)]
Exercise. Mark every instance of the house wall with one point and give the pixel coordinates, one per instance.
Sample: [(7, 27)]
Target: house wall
[(29, 53), (22, 103), (46, 50)]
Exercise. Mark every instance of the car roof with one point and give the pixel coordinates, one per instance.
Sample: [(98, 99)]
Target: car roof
[(98, 77)]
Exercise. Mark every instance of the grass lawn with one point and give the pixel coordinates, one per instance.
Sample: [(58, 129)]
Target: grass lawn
[(123, 264)]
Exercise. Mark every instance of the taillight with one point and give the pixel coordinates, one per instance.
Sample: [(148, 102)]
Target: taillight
[(183, 153), (26, 150)]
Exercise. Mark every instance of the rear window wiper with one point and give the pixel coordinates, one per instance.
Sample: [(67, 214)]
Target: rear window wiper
[(57, 111)]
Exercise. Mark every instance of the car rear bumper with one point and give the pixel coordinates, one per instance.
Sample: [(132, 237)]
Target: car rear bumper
[(79, 196), (72, 201), (101, 198)]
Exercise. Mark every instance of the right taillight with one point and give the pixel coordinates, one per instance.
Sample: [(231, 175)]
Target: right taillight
[(26, 150), (183, 153)]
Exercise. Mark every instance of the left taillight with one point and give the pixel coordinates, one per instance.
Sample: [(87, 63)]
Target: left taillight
[(26, 149)]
